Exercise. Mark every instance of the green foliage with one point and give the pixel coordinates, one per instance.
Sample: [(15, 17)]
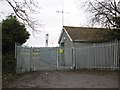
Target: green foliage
[(12, 31), (8, 63)]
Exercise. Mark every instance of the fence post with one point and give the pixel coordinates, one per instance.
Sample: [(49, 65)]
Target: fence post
[(16, 57), (30, 58), (74, 61), (118, 55), (57, 56), (95, 53), (15, 50)]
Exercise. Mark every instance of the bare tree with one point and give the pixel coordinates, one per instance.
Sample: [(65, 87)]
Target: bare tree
[(105, 12), (22, 9)]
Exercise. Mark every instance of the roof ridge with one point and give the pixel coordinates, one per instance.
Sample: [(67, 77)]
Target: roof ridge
[(84, 27)]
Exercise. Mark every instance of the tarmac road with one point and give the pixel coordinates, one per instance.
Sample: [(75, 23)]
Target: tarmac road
[(66, 79)]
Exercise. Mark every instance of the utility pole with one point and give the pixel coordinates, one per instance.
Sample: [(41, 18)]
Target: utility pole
[(62, 17), (62, 13)]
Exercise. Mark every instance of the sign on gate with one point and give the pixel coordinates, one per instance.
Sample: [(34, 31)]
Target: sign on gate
[(34, 59), (61, 51)]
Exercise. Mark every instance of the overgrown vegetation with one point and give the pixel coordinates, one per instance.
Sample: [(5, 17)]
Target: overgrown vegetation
[(13, 32)]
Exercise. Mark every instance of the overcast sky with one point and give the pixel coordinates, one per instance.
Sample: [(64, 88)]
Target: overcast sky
[(52, 21)]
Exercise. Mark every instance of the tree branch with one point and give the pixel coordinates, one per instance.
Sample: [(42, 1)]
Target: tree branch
[(21, 8)]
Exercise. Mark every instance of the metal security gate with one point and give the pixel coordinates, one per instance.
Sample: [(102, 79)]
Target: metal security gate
[(35, 59)]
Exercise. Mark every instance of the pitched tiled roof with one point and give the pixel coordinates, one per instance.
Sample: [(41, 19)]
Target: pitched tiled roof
[(87, 34)]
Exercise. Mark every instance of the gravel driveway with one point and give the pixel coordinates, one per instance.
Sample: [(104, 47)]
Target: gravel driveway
[(66, 79)]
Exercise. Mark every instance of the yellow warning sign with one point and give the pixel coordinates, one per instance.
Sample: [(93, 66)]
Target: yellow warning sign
[(61, 51)]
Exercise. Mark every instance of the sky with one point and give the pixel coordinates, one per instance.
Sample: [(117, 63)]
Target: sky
[(52, 20)]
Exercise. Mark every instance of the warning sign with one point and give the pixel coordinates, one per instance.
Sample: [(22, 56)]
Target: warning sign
[(61, 51)]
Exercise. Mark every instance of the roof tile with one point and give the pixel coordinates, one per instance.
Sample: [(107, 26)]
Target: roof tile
[(87, 34)]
